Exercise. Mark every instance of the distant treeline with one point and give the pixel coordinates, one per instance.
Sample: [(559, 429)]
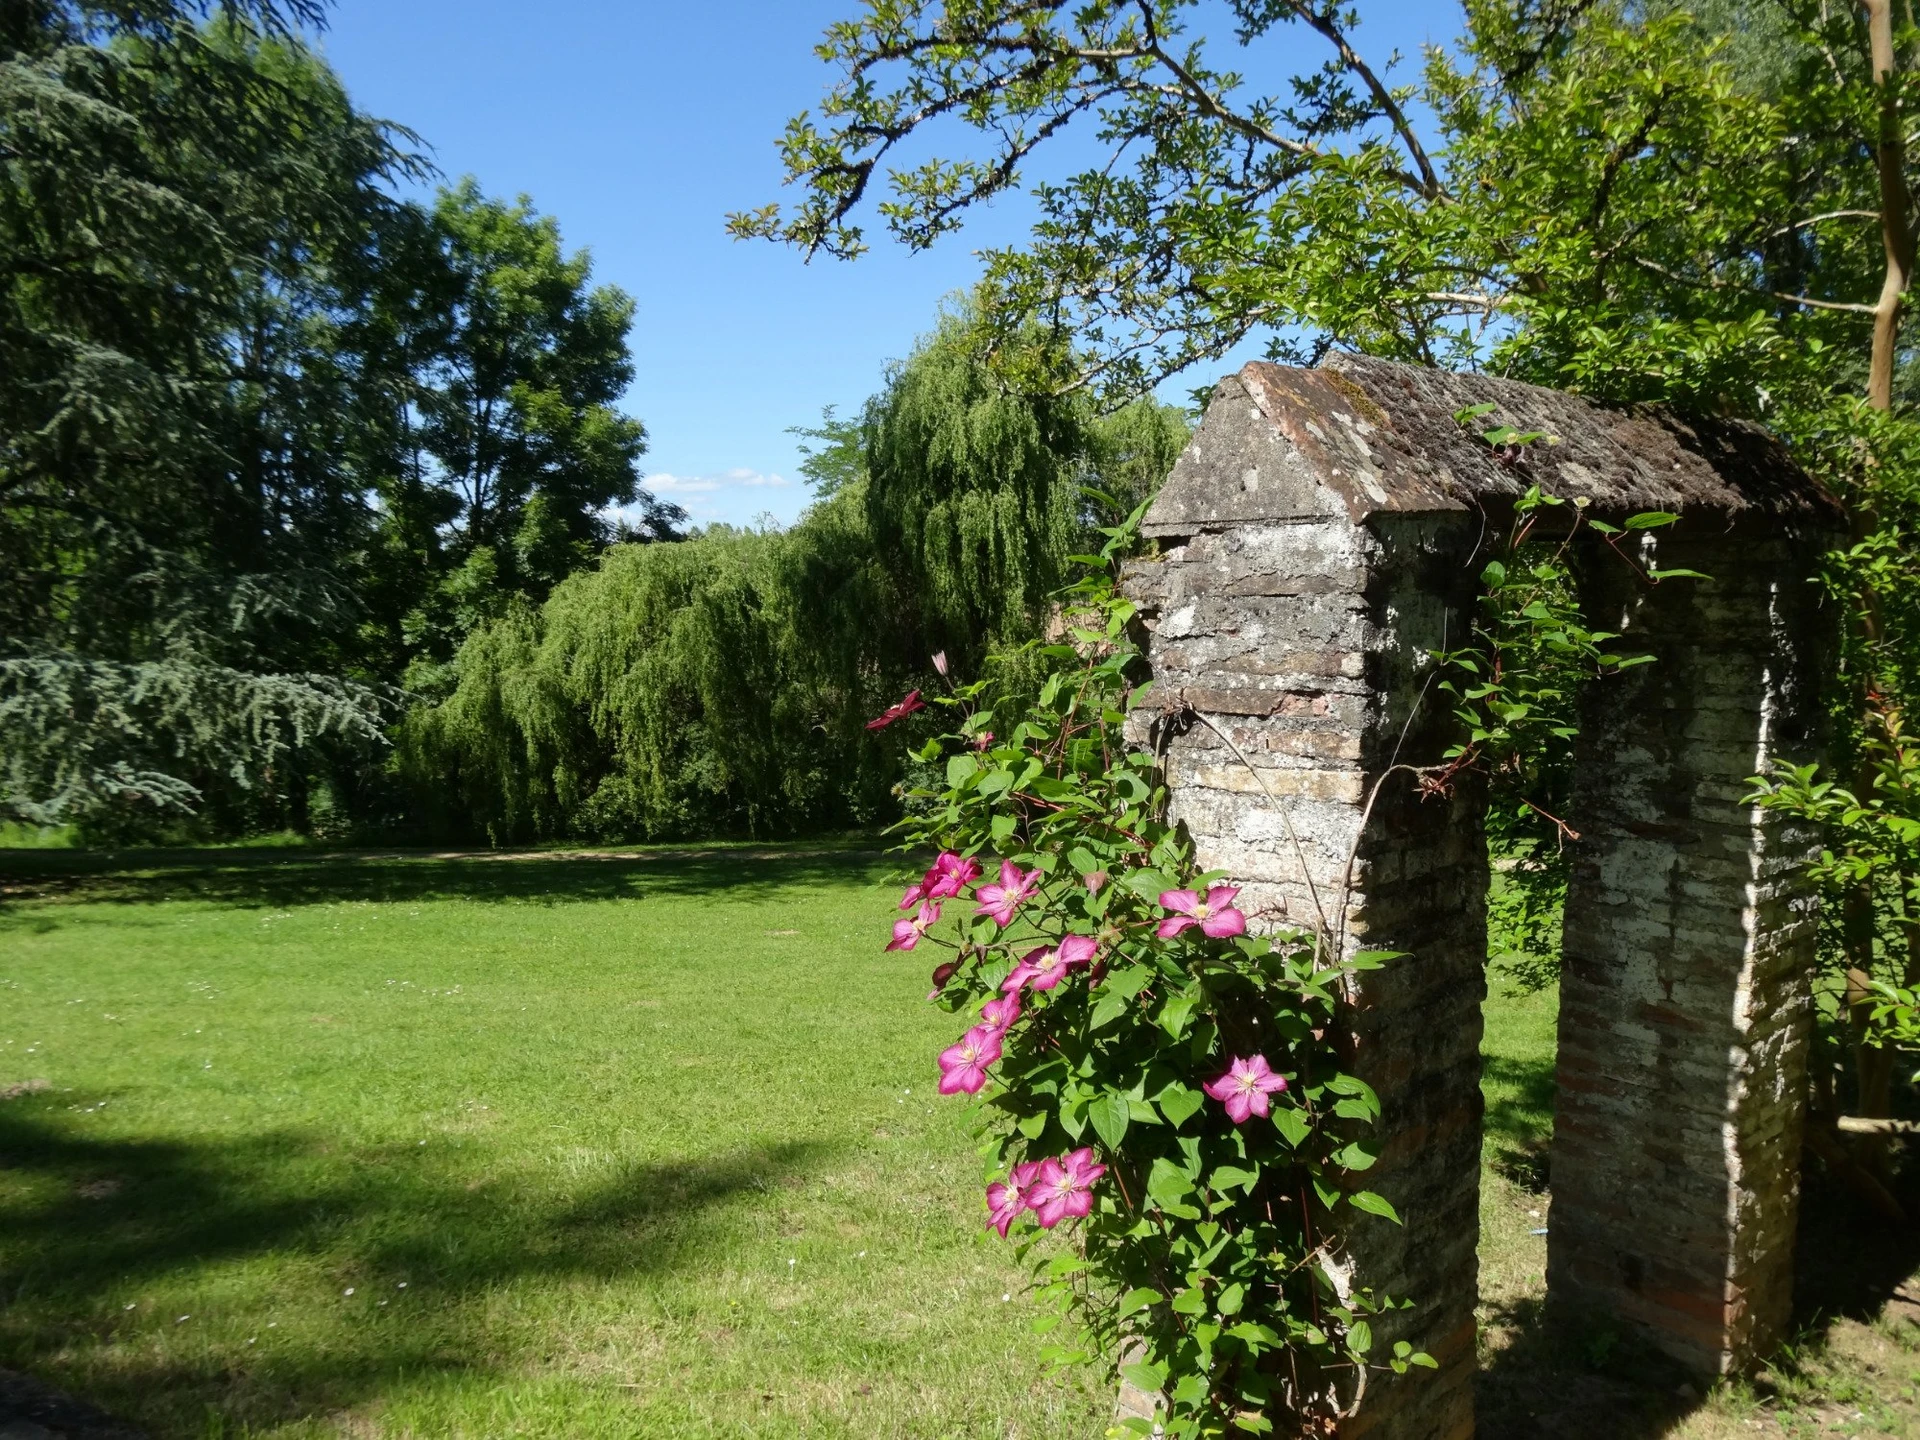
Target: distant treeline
[(318, 511)]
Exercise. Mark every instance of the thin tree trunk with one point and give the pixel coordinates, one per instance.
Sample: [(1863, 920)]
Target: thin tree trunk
[(1896, 229)]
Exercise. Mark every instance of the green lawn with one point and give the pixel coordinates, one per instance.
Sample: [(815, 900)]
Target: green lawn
[(568, 1147), (595, 1146)]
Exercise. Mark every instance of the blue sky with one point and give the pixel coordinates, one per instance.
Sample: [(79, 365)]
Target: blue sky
[(639, 126)]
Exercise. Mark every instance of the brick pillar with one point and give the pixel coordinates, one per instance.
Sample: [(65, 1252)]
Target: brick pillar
[(1685, 1001), (1301, 640)]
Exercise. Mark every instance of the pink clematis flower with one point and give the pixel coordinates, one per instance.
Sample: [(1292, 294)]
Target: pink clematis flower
[(946, 877), (1215, 915), (1001, 1012), (963, 1067), (1046, 968), (1245, 1087), (998, 902), (1005, 1202), (983, 740), (906, 707), (1064, 1187), (907, 933)]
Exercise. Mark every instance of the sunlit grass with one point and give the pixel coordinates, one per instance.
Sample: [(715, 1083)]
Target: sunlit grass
[(527, 1147), (642, 1145)]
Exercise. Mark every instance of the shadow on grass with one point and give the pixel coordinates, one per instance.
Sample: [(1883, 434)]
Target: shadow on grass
[(92, 1221), (283, 878), (1519, 1123), (1566, 1378)]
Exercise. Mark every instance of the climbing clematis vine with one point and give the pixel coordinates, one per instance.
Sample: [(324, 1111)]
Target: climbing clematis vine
[(998, 902), (1006, 1201), (963, 1067), (1215, 915), (1245, 1087), (907, 933), (1064, 1187)]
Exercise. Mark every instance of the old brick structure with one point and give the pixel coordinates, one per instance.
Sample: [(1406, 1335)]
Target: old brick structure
[(1320, 537)]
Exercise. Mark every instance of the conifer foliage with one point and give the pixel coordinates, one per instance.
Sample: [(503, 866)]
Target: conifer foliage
[(270, 437)]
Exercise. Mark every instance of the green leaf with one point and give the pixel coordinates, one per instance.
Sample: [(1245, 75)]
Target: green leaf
[(1255, 1335), (1651, 520), (1146, 1375), (1231, 1299), (1140, 1299), (1360, 1337), (1353, 1157), (1111, 1005), (1373, 1204), (1003, 825), (1173, 1015), (1190, 1301), (1227, 1177), (1167, 1183), (960, 769), (1109, 1115), (1291, 1123), (1253, 1422), (1178, 1101)]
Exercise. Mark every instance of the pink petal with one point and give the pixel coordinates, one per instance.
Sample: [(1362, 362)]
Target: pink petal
[(1223, 923), (1221, 896), (1083, 1168), (1221, 1088), (1182, 900), (1051, 973), (1239, 1107), (1078, 949), (967, 1079), (1271, 1084), (1173, 925)]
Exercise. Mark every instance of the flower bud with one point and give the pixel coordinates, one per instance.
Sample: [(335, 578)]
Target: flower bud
[(1093, 880), (942, 974), (940, 661)]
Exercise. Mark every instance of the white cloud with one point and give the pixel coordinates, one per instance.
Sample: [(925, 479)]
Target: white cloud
[(719, 495)]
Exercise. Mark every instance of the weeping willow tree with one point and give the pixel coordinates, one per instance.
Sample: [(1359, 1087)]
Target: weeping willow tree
[(723, 684), (715, 686)]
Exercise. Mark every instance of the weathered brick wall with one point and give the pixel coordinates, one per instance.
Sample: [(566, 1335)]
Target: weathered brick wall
[(1320, 537), (1299, 638), (1685, 1003)]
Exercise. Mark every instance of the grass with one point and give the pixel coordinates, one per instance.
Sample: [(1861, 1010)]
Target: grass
[(590, 1146), (529, 1147)]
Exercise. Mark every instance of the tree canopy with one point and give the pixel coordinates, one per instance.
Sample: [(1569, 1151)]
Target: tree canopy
[(269, 434)]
